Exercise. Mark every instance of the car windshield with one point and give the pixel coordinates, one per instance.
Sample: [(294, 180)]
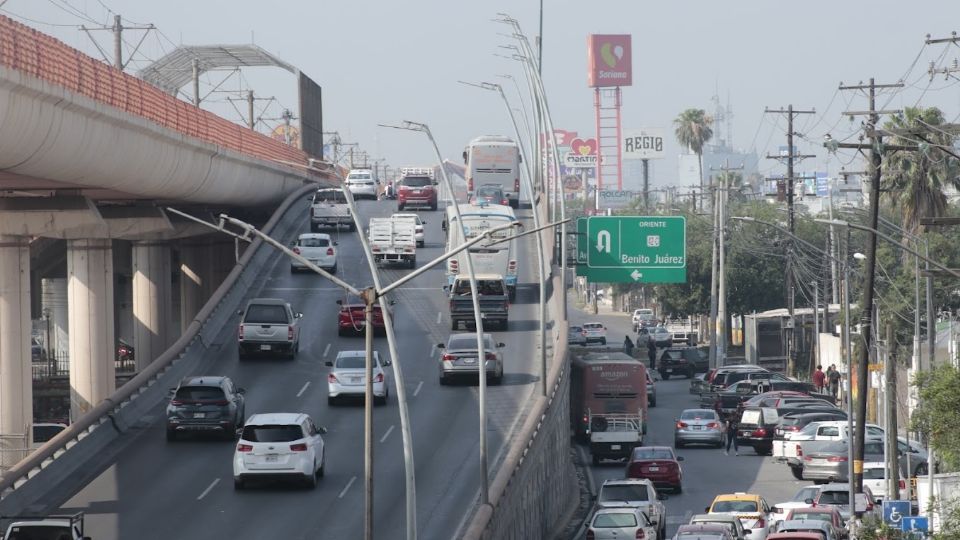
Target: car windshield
[(351, 361), (609, 521), (359, 176), (806, 493), (468, 342), (698, 414), (272, 433), (266, 314), (806, 514), (874, 473), (416, 181), (735, 506), (330, 196), (575, 329), (485, 287), (623, 492), (314, 242), (834, 497), (652, 453), (488, 192), (199, 393)]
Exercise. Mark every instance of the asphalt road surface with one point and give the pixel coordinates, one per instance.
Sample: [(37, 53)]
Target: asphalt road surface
[(152, 489)]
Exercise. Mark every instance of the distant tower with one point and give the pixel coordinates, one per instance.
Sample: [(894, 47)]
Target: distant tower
[(722, 122)]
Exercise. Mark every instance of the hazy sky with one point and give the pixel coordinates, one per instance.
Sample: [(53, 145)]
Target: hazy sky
[(386, 61)]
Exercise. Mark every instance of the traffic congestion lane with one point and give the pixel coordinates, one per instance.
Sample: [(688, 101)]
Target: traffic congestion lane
[(707, 472), (193, 491)]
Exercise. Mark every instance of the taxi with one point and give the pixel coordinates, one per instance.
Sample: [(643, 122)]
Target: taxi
[(752, 511)]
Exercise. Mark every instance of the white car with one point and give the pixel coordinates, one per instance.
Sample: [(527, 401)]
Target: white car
[(418, 234), (780, 510), (619, 523), (279, 446), (348, 377), (318, 248), (641, 313), (596, 332), (362, 184)]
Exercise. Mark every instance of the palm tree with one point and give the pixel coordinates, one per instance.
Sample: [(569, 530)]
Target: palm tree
[(692, 128), (914, 182)]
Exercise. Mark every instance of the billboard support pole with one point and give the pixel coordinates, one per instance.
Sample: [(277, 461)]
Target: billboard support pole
[(646, 185), (617, 103), (596, 108)]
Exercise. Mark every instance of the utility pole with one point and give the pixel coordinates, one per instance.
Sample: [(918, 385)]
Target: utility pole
[(866, 317), (713, 360), (890, 403), (646, 184), (792, 155), (721, 314), (117, 30)]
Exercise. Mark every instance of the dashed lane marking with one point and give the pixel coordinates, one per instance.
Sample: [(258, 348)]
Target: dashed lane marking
[(439, 316), (304, 389), (350, 483), (211, 486), (417, 390), (387, 434), (326, 350)]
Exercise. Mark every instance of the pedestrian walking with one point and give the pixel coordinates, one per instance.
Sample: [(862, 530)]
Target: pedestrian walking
[(627, 346), (731, 434), (833, 379), (819, 379), (652, 353)]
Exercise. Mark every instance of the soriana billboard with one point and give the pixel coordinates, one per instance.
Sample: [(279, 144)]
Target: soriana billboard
[(610, 62)]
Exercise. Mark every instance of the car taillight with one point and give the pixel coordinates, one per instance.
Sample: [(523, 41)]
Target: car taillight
[(220, 403), (299, 447), (792, 428), (799, 451), (681, 425), (296, 250), (470, 184), (176, 402), (761, 523), (512, 267), (504, 202), (869, 506), (290, 332), (807, 458), (590, 535), (375, 249), (640, 534), (329, 251), (759, 432), (516, 185), (903, 484), (836, 459), (490, 356), (240, 333), (378, 378), (447, 357), (244, 447), (331, 378), (454, 267), (713, 425)]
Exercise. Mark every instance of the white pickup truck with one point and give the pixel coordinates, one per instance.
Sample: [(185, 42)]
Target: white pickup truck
[(393, 240), (68, 527), (329, 208)]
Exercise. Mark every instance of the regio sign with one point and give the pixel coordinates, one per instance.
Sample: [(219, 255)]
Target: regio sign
[(644, 143)]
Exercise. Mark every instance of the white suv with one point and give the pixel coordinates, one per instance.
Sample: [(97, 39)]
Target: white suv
[(279, 446), (596, 333)]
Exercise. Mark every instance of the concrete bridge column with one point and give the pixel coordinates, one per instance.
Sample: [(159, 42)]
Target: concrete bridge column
[(151, 300), (195, 274), (16, 387), (90, 308)]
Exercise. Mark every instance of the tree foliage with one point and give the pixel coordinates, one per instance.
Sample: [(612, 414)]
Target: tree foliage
[(936, 416)]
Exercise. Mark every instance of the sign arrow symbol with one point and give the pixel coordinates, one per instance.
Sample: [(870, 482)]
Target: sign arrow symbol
[(636, 275), (603, 241)]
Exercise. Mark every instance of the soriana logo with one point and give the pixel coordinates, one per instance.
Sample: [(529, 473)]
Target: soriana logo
[(610, 61)]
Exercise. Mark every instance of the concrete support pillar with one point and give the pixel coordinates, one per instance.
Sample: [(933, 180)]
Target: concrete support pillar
[(90, 307), (16, 387), (194, 277), (151, 300)]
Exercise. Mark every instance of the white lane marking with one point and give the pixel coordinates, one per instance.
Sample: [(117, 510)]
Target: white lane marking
[(433, 351), (211, 486), (326, 350), (417, 391), (350, 483), (304, 389), (387, 434), (439, 315)]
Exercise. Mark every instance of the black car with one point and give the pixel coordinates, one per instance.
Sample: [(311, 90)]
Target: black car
[(685, 361), (756, 428), (207, 404)]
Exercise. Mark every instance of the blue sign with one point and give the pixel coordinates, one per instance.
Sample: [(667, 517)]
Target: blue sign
[(915, 524), (823, 185), (894, 512)]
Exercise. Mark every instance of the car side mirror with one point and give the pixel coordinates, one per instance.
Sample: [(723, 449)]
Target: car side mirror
[(441, 346), (679, 458), (241, 391), (171, 391), (336, 243), (501, 344), (328, 363), (391, 302), (339, 302), (386, 362), (808, 501), (776, 510), (321, 430), (423, 221), (446, 287), (707, 510), (298, 315), (239, 312)]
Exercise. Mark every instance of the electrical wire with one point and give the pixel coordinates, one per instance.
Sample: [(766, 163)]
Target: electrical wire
[(68, 8), (35, 21)]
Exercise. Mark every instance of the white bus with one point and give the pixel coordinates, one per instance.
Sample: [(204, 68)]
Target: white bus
[(494, 159), (500, 258)]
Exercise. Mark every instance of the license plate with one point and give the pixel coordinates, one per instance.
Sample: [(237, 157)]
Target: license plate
[(469, 360), (271, 458), (744, 433), (356, 379), (264, 347), (614, 446), (199, 415), (696, 427), (416, 192), (653, 469), (668, 370)]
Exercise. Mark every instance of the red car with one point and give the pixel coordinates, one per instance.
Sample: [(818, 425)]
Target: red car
[(658, 464), (351, 319), (416, 190)]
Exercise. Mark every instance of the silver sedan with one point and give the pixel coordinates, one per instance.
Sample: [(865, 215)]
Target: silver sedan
[(698, 426), (459, 357)]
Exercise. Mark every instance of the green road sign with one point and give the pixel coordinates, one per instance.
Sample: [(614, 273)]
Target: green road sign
[(632, 249)]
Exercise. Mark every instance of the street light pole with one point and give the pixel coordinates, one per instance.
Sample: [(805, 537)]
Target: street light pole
[(477, 319), (848, 348)]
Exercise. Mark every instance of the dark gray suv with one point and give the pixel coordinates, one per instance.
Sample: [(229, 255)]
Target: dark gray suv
[(208, 404)]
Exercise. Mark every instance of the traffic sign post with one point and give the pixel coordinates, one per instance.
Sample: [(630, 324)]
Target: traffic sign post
[(894, 512), (632, 249), (915, 524)]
